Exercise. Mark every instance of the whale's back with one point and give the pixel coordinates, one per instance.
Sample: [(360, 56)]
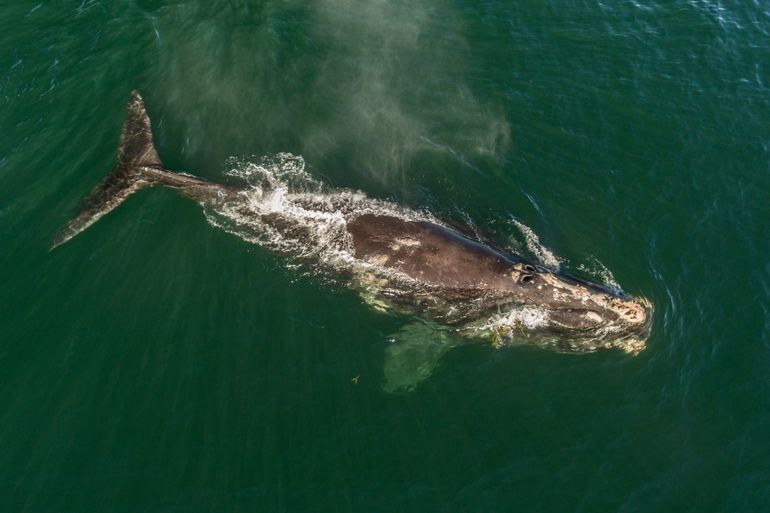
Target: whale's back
[(429, 253)]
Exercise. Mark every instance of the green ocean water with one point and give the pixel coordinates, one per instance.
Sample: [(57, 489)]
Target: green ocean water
[(157, 363)]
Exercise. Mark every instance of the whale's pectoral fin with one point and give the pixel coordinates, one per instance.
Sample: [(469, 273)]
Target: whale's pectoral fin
[(412, 354)]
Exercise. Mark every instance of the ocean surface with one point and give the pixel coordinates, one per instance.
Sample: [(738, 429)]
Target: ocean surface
[(158, 363)]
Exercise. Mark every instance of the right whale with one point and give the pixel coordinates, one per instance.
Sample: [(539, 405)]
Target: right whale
[(454, 289)]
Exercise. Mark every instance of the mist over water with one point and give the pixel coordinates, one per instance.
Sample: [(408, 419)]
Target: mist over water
[(157, 363), (374, 80)]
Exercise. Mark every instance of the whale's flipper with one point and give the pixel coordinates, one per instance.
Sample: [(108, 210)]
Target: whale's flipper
[(412, 355), (136, 151)]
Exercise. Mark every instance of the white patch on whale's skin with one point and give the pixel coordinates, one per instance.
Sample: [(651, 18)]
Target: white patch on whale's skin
[(593, 317), (376, 259), (407, 242)]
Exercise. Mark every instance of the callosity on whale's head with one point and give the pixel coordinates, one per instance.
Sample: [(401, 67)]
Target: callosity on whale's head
[(569, 313)]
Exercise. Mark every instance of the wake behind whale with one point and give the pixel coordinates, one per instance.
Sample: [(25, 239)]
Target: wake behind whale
[(398, 259)]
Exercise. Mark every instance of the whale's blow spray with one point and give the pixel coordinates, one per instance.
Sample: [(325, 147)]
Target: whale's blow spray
[(398, 75), (366, 84)]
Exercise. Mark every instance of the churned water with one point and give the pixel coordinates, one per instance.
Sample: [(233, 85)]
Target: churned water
[(159, 363)]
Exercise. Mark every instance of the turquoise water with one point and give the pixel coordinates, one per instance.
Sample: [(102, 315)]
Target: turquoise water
[(156, 363)]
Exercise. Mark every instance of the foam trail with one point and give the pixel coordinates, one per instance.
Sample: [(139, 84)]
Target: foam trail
[(287, 210), (604, 275), (536, 247)]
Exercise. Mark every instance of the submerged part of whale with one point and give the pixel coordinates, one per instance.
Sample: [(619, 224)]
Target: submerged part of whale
[(400, 260)]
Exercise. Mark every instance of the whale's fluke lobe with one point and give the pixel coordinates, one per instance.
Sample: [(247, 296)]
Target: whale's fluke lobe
[(136, 148), (136, 156)]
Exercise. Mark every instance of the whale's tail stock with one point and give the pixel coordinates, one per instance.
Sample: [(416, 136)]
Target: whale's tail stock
[(138, 166)]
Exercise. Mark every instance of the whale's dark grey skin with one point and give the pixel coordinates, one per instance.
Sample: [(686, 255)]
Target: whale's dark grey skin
[(455, 271), (461, 288)]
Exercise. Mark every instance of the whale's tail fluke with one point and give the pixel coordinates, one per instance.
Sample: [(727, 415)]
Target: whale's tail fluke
[(137, 159)]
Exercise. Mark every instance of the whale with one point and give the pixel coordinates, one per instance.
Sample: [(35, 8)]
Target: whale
[(448, 287)]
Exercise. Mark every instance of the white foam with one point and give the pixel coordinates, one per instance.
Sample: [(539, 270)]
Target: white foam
[(534, 245), (528, 317), (602, 274), (287, 210)]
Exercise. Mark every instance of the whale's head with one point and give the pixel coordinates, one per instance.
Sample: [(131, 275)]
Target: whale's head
[(571, 313)]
